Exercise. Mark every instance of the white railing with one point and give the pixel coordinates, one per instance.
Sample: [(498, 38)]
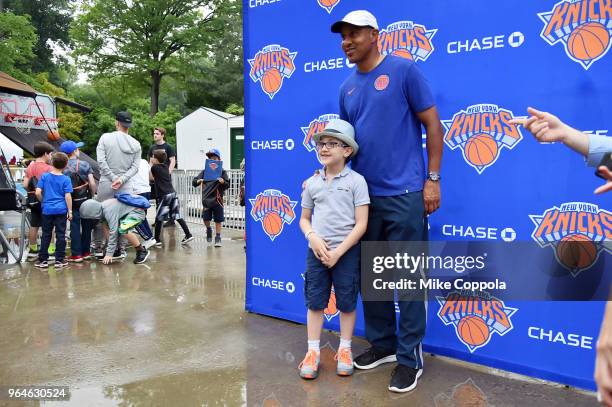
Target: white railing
[(191, 198)]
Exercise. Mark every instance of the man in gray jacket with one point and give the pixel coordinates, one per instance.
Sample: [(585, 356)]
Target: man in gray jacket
[(118, 156)]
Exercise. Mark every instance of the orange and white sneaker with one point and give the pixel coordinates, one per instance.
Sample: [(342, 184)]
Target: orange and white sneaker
[(309, 368), (345, 362)]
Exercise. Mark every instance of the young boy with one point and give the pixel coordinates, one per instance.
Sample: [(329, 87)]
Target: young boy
[(120, 219), (212, 198), (83, 188), (35, 170), (169, 207), (338, 198), (53, 190)]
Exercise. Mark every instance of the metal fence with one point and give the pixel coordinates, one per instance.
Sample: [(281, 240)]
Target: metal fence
[(191, 198)]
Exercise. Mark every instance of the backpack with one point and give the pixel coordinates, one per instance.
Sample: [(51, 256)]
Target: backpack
[(133, 200), (80, 188), (31, 201)]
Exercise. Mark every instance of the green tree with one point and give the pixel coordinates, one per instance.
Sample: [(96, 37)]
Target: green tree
[(17, 39), (143, 38)]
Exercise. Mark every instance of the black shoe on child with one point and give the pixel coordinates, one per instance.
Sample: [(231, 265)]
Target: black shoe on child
[(187, 239), (404, 379), (372, 358), (209, 235), (141, 256)]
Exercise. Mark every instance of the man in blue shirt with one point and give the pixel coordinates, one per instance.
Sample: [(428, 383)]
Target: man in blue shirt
[(387, 100)]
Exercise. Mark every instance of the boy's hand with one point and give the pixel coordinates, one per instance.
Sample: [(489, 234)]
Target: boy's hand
[(332, 259), (319, 247), (200, 181), (221, 180), (69, 215), (107, 259), (116, 183)]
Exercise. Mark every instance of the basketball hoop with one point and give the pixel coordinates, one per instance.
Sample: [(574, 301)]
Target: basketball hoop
[(23, 124)]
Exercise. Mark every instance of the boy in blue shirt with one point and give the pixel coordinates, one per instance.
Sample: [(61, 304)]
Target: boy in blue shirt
[(53, 190), (337, 202)]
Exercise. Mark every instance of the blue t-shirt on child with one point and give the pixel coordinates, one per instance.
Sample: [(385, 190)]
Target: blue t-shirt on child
[(54, 190), (382, 105)]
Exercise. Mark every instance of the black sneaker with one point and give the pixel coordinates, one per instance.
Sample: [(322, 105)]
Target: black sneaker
[(372, 358), (119, 254), (218, 241), (209, 235), (141, 256), (404, 379), (41, 264), (61, 264), (187, 239)]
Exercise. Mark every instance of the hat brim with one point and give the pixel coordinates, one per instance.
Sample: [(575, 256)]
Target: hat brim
[(80, 144), (337, 26), (211, 154), (346, 140)]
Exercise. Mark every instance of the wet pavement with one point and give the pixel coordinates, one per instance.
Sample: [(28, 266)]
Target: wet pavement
[(173, 332)]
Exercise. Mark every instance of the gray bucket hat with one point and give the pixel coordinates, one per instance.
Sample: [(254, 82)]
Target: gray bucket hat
[(91, 209), (342, 130)]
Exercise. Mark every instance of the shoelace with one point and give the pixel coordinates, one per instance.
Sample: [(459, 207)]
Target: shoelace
[(310, 359), (344, 354)]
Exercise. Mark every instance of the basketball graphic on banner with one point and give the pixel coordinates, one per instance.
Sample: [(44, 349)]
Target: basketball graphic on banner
[(272, 223), (481, 149), (577, 251), (271, 80), (403, 53), (473, 330), (53, 135), (588, 41)]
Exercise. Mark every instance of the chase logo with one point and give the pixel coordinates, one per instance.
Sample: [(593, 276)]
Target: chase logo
[(316, 126), (328, 4), (271, 66), (576, 231), (476, 316), (407, 40), (273, 209), (584, 28), (480, 132)]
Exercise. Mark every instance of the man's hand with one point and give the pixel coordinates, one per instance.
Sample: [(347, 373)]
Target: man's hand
[(607, 174), (319, 247), (221, 180), (332, 259), (69, 216), (546, 127), (116, 184), (107, 259), (431, 196)]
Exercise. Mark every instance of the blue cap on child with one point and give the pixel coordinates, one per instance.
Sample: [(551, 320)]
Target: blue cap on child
[(213, 151)]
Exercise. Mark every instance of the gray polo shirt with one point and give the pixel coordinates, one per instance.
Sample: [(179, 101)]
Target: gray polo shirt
[(334, 204)]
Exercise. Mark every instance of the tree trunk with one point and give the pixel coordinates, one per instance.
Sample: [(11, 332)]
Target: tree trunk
[(155, 83)]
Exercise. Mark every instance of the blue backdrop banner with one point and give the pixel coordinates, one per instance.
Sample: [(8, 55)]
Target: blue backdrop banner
[(486, 62)]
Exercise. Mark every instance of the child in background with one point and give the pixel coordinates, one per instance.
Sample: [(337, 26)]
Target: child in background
[(35, 170), (168, 207), (212, 198), (53, 190), (83, 188)]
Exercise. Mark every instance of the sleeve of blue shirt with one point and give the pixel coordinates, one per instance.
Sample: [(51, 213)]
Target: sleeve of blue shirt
[(41, 182), (417, 90), (598, 146), (307, 201)]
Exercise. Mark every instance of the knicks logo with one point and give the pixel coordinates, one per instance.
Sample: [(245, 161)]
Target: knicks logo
[(476, 316), (273, 209), (407, 40), (316, 126), (328, 4), (584, 27), (576, 231), (480, 132), (270, 66), (213, 166)]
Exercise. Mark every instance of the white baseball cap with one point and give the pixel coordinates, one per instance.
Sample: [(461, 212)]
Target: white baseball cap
[(359, 18)]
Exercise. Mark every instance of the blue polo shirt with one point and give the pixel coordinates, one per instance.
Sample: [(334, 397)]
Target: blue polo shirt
[(54, 190), (382, 105)]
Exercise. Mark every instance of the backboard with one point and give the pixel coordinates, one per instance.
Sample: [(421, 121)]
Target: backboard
[(25, 113)]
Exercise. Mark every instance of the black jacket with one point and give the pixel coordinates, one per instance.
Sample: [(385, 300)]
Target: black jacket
[(212, 191)]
